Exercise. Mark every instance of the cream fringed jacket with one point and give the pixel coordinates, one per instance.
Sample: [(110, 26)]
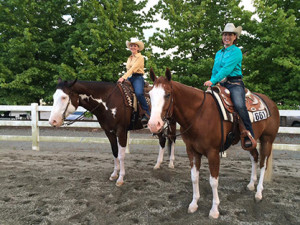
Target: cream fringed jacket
[(135, 64)]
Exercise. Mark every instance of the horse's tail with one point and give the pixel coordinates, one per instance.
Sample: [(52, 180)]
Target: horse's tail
[(269, 170)]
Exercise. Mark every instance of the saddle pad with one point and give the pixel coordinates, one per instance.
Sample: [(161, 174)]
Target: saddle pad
[(255, 115), (129, 95)]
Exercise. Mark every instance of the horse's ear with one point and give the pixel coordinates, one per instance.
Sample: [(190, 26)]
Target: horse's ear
[(168, 74), (59, 80), (70, 85), (152, 75)]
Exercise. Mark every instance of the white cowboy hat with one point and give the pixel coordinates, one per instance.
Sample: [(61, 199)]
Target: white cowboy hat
[(230, 28), (135, 41)]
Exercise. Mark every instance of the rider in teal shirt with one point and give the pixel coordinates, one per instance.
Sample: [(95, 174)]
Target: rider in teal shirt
[(228, 63)]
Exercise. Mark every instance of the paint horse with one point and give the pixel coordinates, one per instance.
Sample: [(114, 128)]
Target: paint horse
[(198, 115), (105, 101)]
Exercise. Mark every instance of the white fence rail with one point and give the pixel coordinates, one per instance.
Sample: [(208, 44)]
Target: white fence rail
[(35, 123)]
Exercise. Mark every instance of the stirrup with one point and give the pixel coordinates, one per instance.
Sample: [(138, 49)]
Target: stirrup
[(244, 135)]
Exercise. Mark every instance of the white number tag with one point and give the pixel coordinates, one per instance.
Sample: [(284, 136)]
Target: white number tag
[(259, 115)]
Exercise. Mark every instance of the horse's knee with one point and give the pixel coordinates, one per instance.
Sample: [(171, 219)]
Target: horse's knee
[(214, 182), (254, 154)]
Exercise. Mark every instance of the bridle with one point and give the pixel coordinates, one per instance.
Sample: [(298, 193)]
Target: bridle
[(168, 117)]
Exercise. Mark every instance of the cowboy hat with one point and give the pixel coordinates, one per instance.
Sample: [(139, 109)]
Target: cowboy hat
[(135, 41), (230, 28)]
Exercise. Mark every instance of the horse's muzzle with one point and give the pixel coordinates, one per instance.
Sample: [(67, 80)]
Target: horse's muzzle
[(55, 123), (155, 127)]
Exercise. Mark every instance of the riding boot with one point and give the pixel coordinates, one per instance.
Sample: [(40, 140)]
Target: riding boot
[(145, 119), (247, 140)]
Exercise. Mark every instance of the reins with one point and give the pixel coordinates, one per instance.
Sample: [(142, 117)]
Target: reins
[(82, 115)]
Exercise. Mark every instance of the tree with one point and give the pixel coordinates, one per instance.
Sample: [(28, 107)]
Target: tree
[(194, 36), (30, 48), (43, 40), (272, 63)]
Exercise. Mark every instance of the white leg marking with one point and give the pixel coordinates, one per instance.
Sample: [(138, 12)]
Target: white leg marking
[(258, 195), (253, 177), (114, 175), (196, 194), (172, 156), (121, 157), (159, 158), (214, 183)]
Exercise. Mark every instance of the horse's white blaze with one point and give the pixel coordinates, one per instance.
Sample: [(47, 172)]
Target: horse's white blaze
[(100, 101), (214, 183), (60, 104), (253, 177), (258, 195), (157, 102), (196, 193)]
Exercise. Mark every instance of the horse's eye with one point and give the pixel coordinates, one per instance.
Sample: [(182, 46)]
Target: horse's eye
[(167, 96), (64, 98)]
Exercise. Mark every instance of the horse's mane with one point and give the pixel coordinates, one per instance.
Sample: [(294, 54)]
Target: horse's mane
[(95, 88), (188, 88), (90, 84)]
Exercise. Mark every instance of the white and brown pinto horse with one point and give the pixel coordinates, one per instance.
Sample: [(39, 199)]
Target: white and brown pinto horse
[(198, 116), (105, 101)]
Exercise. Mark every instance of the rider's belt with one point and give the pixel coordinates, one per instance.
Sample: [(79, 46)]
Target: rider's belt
[(234, 78), (137, 74)]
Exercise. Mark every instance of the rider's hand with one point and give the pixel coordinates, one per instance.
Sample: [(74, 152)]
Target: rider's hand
[(121, 80), (208, 83)]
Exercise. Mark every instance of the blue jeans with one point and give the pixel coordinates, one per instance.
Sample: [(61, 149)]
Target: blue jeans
[(138, 85), (237, 94)]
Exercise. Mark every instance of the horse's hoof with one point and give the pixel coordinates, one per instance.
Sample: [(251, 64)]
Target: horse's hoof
[(192, 208), (258, 197), (119, 183), (171, 166), (156, 167), (214, 214), (250, 187), (112, 178)]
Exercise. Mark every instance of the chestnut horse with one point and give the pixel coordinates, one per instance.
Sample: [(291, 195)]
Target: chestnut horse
[(198, 115), (105, 101)]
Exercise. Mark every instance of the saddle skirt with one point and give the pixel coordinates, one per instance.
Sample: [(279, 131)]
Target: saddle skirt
[(257, 108), (130, 97)]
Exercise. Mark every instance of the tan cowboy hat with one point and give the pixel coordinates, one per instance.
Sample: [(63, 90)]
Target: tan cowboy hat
[(135, 41), (230, 28)]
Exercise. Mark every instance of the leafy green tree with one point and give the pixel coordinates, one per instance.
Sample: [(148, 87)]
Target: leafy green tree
[(43, 40), (271, 62), (30, 48), (194, 36), (96, 49)]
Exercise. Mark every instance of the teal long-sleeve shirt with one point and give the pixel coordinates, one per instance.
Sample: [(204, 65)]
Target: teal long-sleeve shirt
[(228, 63)]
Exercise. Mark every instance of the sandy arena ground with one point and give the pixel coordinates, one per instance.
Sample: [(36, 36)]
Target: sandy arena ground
[(67, 183)]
